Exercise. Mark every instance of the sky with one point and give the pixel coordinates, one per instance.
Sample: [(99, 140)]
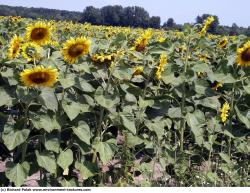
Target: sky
[(228, 11)]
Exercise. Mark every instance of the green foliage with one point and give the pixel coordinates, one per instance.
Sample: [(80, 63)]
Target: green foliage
[(103, 124)]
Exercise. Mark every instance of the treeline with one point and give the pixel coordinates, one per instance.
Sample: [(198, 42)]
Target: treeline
[(117, 16)]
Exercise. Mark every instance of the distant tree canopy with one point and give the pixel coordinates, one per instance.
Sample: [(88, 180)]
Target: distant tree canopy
[(117, 15)]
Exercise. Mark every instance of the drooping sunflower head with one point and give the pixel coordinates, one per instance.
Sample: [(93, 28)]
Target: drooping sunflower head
[(73, 49), (142, 41), (30, 51), (14, 47), (243, 55), (39, 76), (223, 43), (138, 70), (40, 32)]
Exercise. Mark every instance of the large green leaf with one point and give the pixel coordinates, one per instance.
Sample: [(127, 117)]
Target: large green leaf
[(48, 99), (157, 127), (65, 159), (83, 132), (72, 109), (106, 100), (106, 150), (87, 169), (128, 121), (46, 122), (13, 138), (17, 173), (46, 161), (122, 72), (51, 142), (244, 117), (68, 81), (83, 85), (211, 102), (5, 98), (195, 121)]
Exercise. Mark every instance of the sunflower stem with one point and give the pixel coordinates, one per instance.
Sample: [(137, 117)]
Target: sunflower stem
[(231, 119), (183, 100)]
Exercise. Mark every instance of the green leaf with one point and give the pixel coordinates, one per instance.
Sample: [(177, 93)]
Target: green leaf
[(221, 77), (106, 150), (212, 176), (143, 104), (13, 138), (5, 98), (48, 99), (157, 127), (244, 117), (46, 161), (67, 82), (106, 100), (87, 169), (195, 121), (83, 85), (226, 158), (174, 112), (52, 142), (71, 183), (128, 121), (44, 121), (122, 73), (83, 132), (211, 102), (65, 159), (132, 140), (72, 109), (17, 173), (201, 67), (247, 88)]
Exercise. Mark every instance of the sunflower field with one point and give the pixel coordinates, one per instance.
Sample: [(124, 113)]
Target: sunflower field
[(84, 105)]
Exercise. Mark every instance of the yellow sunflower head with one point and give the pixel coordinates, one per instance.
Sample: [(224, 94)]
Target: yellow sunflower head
[(73, 49), (14, 47), (30, 51), (223, 43), (138, 70), (40, 32), (243, 55), (39, 76)]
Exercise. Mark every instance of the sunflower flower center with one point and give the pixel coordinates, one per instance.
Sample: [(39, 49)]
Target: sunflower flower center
[(246, 55), (76, 50), (39, 77), (38, 33), (15, 48)]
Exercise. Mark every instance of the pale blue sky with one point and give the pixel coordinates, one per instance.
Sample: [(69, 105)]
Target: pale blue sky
[(229, 11)]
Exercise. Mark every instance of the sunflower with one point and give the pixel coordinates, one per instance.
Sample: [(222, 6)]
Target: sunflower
[(224, 112), (39, 76), (206, 25), (161, 67), (138, 70), (73, 49), (30, 51), (243, 55), (142, 42), (40, 33), (14, 48), (223, 43)]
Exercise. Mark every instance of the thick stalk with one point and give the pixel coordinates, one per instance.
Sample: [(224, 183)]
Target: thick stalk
[(231, 119)]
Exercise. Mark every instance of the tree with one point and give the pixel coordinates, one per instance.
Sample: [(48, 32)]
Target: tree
[(170, 23), (92, 15), (234, 30), (155, 22)]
